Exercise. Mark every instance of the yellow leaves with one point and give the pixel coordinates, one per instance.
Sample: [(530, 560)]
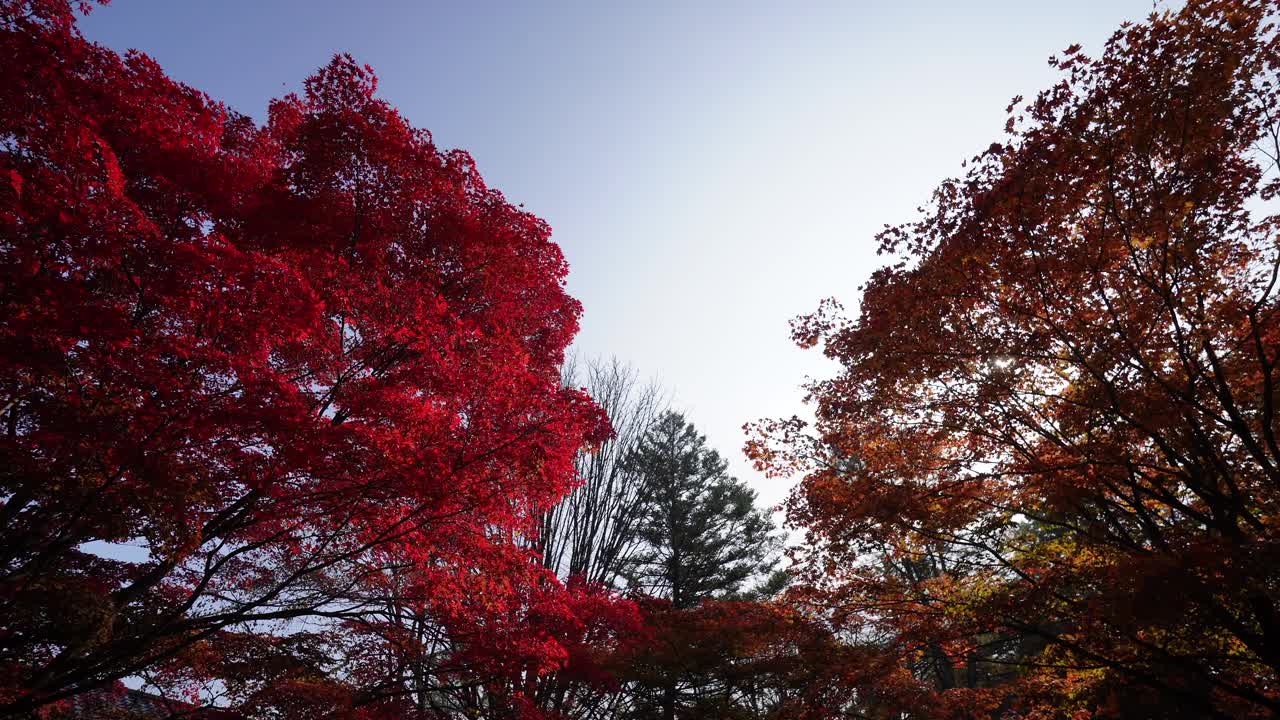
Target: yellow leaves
[(1180, 216)]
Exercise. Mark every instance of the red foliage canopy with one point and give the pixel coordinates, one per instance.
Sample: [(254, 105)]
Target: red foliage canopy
[(286, 364), (1049, 473)]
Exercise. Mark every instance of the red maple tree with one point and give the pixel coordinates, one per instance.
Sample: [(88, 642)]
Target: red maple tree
[(289, 364)]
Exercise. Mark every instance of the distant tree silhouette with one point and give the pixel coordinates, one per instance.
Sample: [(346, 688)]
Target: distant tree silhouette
[(590, 536)]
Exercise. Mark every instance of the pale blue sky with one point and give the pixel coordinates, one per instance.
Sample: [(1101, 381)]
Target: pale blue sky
[(711, 169)]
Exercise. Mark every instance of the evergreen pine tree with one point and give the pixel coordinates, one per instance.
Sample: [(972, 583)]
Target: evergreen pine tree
[(703, 536)]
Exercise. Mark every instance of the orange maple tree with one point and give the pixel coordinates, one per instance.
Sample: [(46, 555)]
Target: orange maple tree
[(1047, 477)]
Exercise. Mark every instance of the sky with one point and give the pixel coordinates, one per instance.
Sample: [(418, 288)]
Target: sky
[(710, 169)]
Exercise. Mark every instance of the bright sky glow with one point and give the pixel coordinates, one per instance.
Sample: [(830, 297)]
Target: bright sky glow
[(710, 169)]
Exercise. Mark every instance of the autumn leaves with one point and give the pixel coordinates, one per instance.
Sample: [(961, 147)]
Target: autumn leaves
[(313, 366)]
